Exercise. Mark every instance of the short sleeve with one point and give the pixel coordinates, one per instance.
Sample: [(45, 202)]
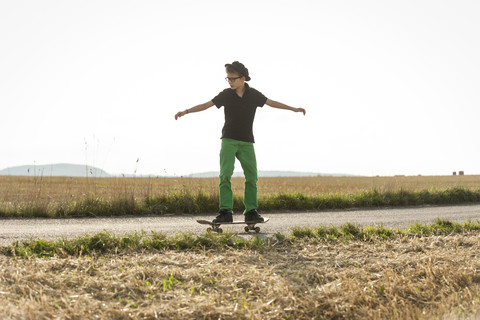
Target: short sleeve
[(220, 99), (260, 99)]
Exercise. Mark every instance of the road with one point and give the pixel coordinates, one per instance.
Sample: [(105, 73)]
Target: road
[(21, 229)]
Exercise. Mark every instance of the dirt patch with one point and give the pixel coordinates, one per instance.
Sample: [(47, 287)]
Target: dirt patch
[(405, 278)]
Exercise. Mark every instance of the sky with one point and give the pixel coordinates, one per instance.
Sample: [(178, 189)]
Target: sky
[(390, 87)]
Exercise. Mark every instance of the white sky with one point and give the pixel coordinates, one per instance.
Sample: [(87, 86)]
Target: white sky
[(390, 87)]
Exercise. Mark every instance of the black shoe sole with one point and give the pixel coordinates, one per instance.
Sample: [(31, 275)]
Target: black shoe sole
[(254, 220)]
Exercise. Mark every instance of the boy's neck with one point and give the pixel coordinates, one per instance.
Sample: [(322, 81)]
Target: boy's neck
[(240, 90)]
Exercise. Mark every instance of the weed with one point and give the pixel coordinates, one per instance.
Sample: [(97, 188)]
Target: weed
[(303, 232)]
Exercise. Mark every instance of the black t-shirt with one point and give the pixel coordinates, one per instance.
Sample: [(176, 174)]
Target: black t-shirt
[(239, 112)]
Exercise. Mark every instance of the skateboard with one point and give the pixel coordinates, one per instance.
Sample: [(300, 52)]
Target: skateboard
[(216, 226)]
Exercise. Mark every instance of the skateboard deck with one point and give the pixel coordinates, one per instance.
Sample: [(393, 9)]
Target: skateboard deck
[(215, 227)]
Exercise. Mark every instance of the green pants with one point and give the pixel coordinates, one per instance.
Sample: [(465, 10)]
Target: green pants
[(245, 153)]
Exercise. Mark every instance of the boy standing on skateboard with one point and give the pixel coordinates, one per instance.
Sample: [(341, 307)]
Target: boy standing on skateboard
[(240, 103)]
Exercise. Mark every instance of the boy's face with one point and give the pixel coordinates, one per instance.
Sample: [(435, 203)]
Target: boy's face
[(235, 80)]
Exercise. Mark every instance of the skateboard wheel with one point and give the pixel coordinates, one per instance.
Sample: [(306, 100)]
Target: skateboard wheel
[(257, 229), (219, 230), (247, 229), (209, 229)]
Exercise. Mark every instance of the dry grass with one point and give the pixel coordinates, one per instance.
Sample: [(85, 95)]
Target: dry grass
[(49, 191), (351, 185), (405, 278)]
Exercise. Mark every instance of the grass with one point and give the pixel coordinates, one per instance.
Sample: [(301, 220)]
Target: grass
[(82, 197), (350, 231), (346, 272), (201, 202), (109, 243)]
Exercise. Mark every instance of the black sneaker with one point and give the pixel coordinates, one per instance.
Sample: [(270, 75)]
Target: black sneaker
[(253, 216), (224, 216)]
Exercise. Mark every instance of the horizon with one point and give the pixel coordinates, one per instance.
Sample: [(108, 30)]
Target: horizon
[(200, 174)]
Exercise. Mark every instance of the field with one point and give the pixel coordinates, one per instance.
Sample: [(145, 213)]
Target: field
[(58, 196), (60, 189), (347, 272)]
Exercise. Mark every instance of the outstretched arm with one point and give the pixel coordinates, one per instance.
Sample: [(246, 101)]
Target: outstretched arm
[(279, 105), (200, 107)]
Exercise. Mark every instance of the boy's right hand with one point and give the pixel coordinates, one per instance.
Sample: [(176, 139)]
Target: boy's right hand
[(180, 114)]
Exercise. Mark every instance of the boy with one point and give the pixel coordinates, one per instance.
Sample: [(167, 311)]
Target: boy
[(240, 103)]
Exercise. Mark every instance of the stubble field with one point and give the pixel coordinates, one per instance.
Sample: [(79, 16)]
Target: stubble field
[(387, 275), (407, 277)]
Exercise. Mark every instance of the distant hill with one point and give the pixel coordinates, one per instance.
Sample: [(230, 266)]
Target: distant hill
[(77, 170), (262, 173), (55, 170)]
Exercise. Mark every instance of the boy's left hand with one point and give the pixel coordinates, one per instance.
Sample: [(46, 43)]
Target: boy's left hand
[(301, 110)]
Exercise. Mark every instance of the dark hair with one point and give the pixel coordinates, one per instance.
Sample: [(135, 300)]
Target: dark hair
[(231, 69)]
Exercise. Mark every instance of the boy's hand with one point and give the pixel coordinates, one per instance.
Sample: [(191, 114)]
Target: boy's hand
[(180, 114), (301, 110)]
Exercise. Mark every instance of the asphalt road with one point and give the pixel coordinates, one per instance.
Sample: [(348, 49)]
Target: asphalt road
[(21, 229)]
